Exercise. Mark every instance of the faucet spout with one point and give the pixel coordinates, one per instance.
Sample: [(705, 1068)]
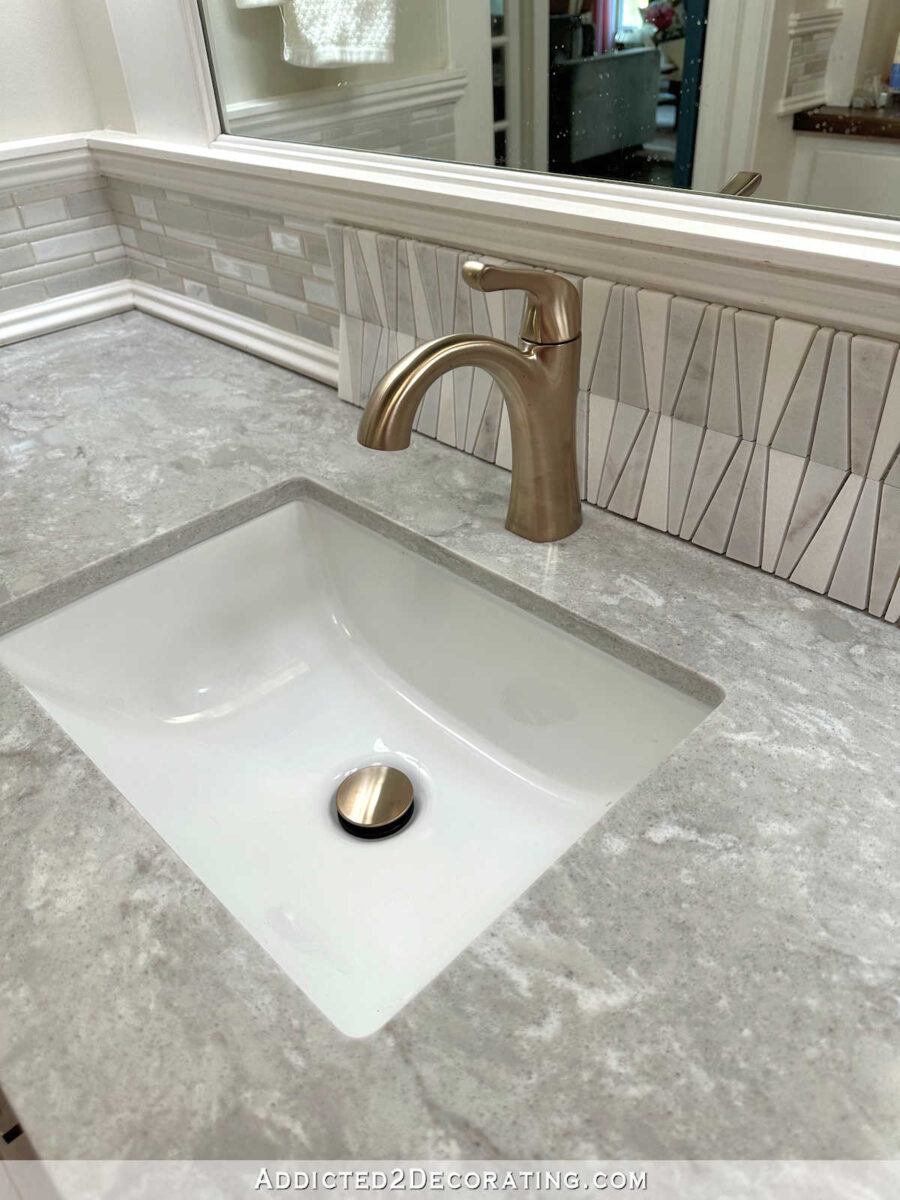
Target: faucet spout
[(539, 385), (388, 420)]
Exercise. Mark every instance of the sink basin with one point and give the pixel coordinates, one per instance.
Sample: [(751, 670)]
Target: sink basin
[(227, 690)]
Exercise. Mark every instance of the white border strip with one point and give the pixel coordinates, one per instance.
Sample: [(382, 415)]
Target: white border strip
[(284, 349)]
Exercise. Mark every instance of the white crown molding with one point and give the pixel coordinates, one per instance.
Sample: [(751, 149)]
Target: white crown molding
[(42, 160), (304, 113), (832, 268), (285, 349)]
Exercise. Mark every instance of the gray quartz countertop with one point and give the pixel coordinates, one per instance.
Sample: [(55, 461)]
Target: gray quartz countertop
[(711, 972)]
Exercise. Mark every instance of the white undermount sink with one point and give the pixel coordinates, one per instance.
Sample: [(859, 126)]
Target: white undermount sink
[(228, 689)]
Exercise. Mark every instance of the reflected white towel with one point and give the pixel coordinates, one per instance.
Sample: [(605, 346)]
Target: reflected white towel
[(258, 3), (327, 33)]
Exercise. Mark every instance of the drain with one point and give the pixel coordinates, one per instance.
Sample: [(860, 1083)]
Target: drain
[(375, 801)]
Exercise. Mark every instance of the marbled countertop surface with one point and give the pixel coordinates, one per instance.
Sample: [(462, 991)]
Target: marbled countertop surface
[(713, 971)]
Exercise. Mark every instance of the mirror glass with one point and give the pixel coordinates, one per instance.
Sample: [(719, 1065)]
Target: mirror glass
[(675, 93)]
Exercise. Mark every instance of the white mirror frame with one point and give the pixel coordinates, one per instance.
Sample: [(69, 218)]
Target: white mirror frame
[(830, 267)]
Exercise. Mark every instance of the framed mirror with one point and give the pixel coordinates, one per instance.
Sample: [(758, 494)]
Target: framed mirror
[(798, 99)]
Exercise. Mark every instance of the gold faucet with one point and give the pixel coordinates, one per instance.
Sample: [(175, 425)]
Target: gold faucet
[(539, 381)]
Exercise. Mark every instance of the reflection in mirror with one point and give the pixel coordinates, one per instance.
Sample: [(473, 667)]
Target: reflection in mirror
[(674, 93)]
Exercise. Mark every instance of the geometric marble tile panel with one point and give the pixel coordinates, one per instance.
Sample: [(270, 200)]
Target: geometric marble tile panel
[(790, 343), (368, 306), (871, 361), (724, 401), (819, 488), (786, 473), (626, 427), (886, 564), (819, 559), (654, 509), (893, 475), (489, 428), (715, 455), (406, 319), (581, 423), (685, 316), (753, 334), (351, 287), (795, 429), (446, 424), (387, 249), (626, 498), (369, 248), (423, 285), (449, 263), (850, 582), (831, 443), (693, 396), (715, 529), (887, 442), (893, 609), (653, 310), (632, 379), (601, 411), (605, 380), (686, 439), (745, 543), (594, 305)]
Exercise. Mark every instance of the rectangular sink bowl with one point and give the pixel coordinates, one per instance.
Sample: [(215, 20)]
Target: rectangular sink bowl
[(227, 690)]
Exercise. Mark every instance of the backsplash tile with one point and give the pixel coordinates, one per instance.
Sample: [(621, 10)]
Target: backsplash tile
[(56, 239), (69, 235), (769, 440)]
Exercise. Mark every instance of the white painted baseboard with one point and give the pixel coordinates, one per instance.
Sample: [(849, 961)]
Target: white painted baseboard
[(285, 349)]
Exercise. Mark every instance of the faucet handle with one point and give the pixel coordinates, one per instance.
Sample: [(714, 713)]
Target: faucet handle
[(553, 311)]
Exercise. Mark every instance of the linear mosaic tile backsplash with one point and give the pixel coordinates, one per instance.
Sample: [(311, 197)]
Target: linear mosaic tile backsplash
[(264, 266), (769, 440), (57, 238), (62, 237)]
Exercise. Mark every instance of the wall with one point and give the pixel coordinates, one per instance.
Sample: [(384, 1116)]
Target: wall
[(44, 83)]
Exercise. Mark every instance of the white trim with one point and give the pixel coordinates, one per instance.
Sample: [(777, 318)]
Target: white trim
[(833, 268), (312, 112), (265, 341), (60, 313), (163, 56), (287, 350), (39, 160), (731, 92)]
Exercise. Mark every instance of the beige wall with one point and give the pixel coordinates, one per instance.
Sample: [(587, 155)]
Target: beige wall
[(44, 83), (247, 46)]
